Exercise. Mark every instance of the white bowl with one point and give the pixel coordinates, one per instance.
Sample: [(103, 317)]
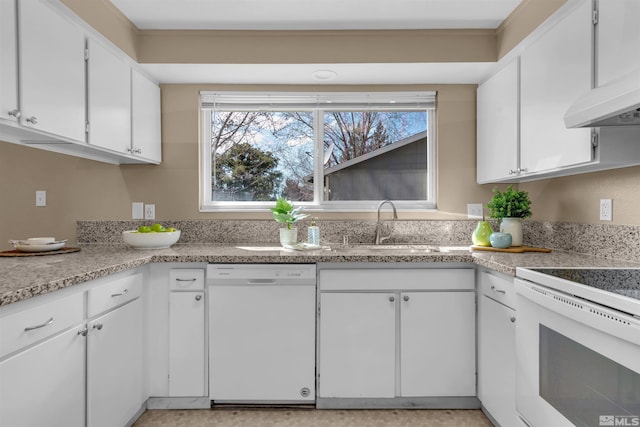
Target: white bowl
[(160, 240)]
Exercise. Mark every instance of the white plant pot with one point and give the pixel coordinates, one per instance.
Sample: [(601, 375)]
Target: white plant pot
[(512, 226), (288, 237)]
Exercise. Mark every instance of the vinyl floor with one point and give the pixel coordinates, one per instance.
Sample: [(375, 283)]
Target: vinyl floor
[(287, 417)]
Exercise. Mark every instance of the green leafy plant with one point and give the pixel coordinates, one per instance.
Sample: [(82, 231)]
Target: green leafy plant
[(286, 214), (509, 204)]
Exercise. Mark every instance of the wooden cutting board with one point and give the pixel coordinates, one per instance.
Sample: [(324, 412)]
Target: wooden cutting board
[(512, 249)]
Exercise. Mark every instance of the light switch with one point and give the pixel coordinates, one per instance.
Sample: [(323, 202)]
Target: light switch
[(41, 198), (137, 210)]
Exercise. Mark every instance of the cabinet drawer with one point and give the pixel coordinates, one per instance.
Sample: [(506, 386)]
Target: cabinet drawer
[(183, 279), (113, 293), (498, 288), (32, 324), (396, 279)]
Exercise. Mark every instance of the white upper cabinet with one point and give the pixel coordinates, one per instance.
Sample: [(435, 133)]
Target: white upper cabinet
[(618, 39), (109, 98), (65, 88), (52, 71), (9, 63), (145, 98), (521, 131), (498, 132), (555, 70)]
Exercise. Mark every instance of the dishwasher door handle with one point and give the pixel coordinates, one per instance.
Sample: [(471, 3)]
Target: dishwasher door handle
[(261, 281)]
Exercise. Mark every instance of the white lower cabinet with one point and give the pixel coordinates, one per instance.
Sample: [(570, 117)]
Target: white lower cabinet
[(176, 363), (396, 333), (437, 344), (114, 366), (497, 348), (44, 385), (357, 345), (187, 374), (66, 362)]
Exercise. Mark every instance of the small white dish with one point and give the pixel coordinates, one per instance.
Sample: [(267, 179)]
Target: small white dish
[(39, 248)]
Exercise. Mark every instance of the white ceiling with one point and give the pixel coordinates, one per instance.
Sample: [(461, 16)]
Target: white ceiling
[(317, 15)]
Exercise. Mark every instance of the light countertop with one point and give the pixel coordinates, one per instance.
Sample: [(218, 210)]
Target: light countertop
[(25, 277)]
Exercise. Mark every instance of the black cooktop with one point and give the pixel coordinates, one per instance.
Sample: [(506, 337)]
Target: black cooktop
[(620, 281)]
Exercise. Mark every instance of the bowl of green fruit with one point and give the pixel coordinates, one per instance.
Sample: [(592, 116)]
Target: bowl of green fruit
[(154, 236)]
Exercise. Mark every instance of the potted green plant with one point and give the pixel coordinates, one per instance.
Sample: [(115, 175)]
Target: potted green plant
[(510, 206), (285, 213)]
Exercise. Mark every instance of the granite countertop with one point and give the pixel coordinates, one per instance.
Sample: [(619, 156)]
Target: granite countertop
[(25, 277)]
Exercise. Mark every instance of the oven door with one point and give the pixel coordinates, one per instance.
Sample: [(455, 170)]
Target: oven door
[(578, 363)]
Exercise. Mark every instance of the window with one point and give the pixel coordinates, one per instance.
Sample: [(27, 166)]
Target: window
[(327, 151)]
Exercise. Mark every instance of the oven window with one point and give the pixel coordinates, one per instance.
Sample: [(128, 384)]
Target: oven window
[(586, 387)]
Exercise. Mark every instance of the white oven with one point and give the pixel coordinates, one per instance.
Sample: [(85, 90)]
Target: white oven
[(577, 348)]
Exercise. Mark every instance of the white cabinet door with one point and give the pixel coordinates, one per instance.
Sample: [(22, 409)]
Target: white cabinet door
[(186, 344), (9, 63), (109, 99), (114, 366), (145, 98), (497, 360), (555, 70), (52, 71), (497, 123), (44, 385), (438, 344), (618, 39), (357, 345)]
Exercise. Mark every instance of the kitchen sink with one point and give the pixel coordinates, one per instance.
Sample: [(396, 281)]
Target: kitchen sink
[(369, 249)]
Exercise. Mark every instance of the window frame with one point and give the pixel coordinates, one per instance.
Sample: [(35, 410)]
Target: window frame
[(357, 101)]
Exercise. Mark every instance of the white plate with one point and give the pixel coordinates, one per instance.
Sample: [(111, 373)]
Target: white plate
[(39, 248)]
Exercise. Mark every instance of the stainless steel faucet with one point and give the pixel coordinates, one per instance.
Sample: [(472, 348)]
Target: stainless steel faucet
[(379, 238)]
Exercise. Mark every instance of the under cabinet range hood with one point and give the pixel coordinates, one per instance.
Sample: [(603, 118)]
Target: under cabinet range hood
[(613, 104)]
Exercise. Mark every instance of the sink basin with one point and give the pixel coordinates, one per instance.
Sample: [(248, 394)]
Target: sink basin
[(376, 249)]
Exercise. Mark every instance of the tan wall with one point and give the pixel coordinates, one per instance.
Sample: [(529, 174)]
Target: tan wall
[(85, 189), (300, 47), (522, 21)]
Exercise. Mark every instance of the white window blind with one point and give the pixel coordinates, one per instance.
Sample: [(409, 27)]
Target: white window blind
[(261, 101)]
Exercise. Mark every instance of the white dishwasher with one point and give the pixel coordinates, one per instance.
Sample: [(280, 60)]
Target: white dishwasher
[(262, 333)]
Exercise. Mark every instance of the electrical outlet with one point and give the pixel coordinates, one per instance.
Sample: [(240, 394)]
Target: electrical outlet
[(41, 198), (149, 211), (474, 210), (606, 209), (137, 210)]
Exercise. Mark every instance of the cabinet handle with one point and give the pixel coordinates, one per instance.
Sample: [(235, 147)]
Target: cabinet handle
[(500, 291), (513, 319), (512, 172), (198, 297), (33, 120), (392, 299), (137, 150), (83, 332), (31, 328), (120, 294), (185, 280), (15, 113), (97, 326), (406, 297)]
